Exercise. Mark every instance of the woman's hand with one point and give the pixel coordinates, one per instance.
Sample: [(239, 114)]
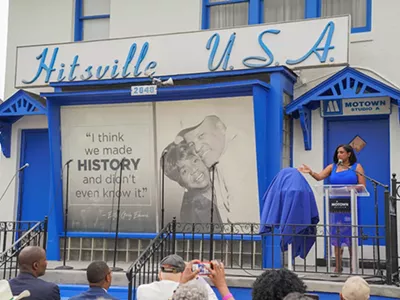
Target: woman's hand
[(217, 276), (304, 169), (188, 274)]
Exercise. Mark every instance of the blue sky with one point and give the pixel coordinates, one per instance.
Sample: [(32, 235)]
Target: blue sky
[(3, 43)]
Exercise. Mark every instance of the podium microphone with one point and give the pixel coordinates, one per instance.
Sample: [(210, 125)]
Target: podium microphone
[(340, 162), (12, 179), (64, 266)]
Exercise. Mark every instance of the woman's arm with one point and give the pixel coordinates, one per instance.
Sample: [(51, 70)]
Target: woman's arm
[(360, 177), (317, 176)]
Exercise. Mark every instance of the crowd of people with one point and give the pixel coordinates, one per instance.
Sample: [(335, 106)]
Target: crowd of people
[(178, 280)]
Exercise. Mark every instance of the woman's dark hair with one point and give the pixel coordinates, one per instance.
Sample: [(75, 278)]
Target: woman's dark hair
[(276, 285), (174, 153), (348, 149)]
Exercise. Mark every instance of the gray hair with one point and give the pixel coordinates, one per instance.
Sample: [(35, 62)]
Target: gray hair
[(296, 296), (192, 290)]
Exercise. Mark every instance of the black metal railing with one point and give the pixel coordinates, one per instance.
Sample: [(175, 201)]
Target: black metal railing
[(145, 268), (392, 247), (15, 236), (245, 251), (242, 248)]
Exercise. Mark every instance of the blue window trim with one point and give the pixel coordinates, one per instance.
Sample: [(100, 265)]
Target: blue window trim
[(313, 9), (80, 18), (365, 28)]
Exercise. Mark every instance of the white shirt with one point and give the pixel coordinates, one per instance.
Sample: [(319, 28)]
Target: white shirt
[(235, 182), (164, 289)]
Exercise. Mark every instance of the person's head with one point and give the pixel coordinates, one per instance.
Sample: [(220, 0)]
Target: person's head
[(192, 290), (276, 285), (32, 260), (184, 166), (296, 296), (355, 288), (99, 274), (208, 139), (345, 153), (171, 268)]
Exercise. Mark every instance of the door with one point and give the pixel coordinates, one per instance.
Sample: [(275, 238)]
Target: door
[(371, 138), (34, 180)]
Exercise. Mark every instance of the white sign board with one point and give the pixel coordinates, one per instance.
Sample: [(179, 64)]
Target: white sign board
[(309, 43), (356, 107)]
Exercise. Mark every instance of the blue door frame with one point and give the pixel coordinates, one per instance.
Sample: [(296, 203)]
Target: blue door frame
[(33, 141), (267, 102)]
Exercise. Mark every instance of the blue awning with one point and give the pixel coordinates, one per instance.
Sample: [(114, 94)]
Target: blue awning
[(21, 104), (348, 83)]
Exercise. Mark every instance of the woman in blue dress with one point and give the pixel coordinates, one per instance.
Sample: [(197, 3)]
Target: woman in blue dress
[(343, 174)]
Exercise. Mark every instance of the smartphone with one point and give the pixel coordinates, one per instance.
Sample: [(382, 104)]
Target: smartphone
[(202, 267)]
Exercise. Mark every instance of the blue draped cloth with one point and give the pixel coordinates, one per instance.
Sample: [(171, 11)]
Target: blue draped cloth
[(290, 201)]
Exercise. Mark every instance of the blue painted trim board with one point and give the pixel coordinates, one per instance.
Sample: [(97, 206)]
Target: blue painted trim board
[(78, 26), (323, 90), (271, 148), (80, 19), (255, 12), (289, 73), (342, 85), (55, 223)]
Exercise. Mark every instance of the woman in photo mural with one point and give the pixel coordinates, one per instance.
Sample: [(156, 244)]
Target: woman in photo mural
[(185, 167), (342, 174)]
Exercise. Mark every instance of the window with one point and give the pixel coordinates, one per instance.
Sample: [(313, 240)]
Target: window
[(229, 13), (358, 9), (283, 10), (92, 19), (287, 135)]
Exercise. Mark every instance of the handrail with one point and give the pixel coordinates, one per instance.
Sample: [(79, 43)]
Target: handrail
[(35, 235), (165, 230), (163, 244), (21, 238)]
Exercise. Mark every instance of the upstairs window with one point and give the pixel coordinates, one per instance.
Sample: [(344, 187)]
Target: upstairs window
[(358, 9), (227, 13), (92, 20), (219, 14), (283, 10)]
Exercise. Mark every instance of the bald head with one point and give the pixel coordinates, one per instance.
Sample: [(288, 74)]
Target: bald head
[(208, 139), (32, 259)]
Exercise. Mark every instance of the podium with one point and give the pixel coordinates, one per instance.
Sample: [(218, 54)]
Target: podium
[(339, 192)]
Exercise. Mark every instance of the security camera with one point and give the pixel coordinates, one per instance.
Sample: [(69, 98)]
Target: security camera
[(168, 82), (158, 81)]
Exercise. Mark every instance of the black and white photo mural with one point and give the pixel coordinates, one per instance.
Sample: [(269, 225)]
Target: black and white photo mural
[(200, 134), (195, 139)]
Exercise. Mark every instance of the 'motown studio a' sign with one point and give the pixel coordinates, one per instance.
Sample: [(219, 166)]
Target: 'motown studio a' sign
[(356, 107), (309, 43)]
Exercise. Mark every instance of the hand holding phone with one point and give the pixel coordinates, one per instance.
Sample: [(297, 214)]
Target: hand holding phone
[(202, 267)]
